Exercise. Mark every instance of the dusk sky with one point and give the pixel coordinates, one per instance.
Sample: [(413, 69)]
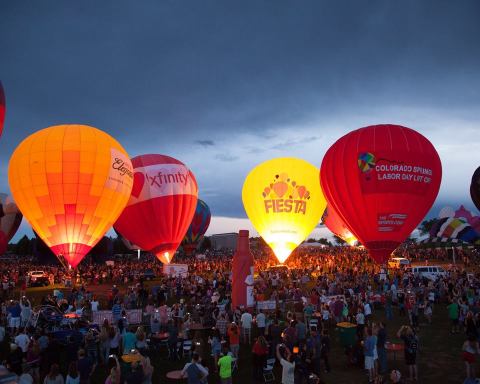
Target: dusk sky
[(223, 86)]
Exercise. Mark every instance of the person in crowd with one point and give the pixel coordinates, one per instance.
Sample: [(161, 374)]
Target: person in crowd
[(407, 334), (73, 377), (246, 323), (54, 376), (470, 349), (234, 339), (85, 367), (286, 359), (259, 355), (225, 367), (194, 371), (368, 351)]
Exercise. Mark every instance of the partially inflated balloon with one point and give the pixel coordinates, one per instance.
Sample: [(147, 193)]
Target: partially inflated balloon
[(284, 201), (161, 207), (336, 225), (198, 227), (475, 188), (71, 182), (10, 216), (2, 108), (382, 180)]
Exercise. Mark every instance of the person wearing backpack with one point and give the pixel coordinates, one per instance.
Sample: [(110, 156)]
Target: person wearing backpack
[(408, 336), (194, 371)]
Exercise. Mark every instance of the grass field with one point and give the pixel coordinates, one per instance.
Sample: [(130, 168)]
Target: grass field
[(439, 355)]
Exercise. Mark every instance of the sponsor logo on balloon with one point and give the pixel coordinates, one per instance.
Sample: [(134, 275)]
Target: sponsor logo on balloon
[(391, 222), (161, 180), (380, 174), (122, 167), (284, 195)]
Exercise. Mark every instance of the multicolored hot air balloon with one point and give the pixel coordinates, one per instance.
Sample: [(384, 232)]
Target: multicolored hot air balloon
[(71, 182), (197, 228), (10, 216), (335, 224), (284, 202), (475, 188), (161, 207), (382, 180), (2, 108)]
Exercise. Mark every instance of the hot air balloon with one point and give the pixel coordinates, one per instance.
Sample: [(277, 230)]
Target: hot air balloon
[(161, 207), (475, 188), (197, 228), (10, 216), (382, 180), (335, 224), (71, 182), (284, 202), (2, 108), (3, 243)]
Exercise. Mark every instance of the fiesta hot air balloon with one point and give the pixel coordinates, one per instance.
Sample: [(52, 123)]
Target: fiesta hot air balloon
[(475, 188), (336, 225), (71, 182), (161, 207), (10, 216), (197, 228), (2, 108), (382, 180), (284, 202)]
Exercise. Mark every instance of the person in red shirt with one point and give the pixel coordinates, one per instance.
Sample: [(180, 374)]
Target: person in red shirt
[(234, 339), (259, 353)]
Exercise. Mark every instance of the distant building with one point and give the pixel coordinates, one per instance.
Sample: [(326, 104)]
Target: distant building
[(224, 240)]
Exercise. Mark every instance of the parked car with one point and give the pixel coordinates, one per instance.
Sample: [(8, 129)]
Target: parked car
[(37, 279), (398, 262), (431, 272)]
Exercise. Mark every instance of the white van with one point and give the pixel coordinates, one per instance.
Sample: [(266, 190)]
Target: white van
[(398, 262), (431, 272)]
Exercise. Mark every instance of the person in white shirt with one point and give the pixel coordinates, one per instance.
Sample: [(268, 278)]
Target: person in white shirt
[(22, 341), (246, 321), (287, 363), (367, 309), (360, 318), (261, 319), (95, 304)]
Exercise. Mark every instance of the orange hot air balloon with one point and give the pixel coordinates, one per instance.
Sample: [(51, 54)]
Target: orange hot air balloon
[(71, 182)]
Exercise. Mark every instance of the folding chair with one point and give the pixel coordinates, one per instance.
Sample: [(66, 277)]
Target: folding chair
[(268, 375)]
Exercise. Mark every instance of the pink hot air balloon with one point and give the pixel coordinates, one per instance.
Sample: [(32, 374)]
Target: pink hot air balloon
[(161, 207)]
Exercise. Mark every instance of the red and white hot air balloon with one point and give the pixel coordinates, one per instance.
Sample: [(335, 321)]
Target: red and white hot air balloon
[(381, 180), (161, 207)]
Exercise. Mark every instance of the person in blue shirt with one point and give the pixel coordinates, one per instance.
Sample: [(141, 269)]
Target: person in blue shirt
[(14, 310), (369, 352)]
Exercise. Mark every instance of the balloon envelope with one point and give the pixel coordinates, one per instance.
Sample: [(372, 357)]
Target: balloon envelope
[(284, 202), (336, 225), (198, 226), (71, 182), (382, 180), (10, 216), (161, 206), (2, 108), (475, 188)]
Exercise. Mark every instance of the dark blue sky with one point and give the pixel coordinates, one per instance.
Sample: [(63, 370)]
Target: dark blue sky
[(224, 85)]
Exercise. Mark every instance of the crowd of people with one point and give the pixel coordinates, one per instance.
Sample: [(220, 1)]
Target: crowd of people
[(191, 317)]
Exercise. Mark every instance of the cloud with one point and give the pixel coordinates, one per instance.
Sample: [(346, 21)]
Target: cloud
[(205, 143), (293, 142), (226, 157)]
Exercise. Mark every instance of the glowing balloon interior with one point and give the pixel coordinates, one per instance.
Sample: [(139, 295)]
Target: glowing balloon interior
[(71, 182), (284, 201)]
